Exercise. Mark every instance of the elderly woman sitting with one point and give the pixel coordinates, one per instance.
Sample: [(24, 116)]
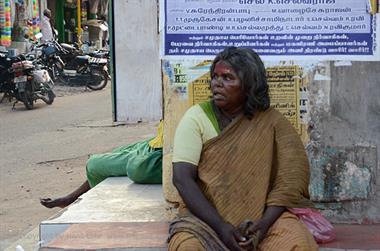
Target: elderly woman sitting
[(238, 165)]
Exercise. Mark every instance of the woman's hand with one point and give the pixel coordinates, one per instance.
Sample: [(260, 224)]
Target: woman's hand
[(230, 236), (184, 178), (258, 228)]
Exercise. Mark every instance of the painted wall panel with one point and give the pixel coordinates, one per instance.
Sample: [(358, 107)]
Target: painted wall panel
[(137, 64), (344, 129)]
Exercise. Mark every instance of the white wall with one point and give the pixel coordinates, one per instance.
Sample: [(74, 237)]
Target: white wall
[(137, 64)]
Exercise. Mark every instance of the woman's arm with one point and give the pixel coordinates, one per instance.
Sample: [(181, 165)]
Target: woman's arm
[(272, 213), (184, 179)]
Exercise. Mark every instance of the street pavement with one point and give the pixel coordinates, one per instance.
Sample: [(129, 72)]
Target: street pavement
[(43, 152)]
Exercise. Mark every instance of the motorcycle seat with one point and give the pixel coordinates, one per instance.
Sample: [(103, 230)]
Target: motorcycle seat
[(68, 47), (101, 54), (22, 65), (82, 59)]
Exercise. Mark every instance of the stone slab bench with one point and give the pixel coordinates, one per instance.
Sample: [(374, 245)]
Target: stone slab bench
[(120, 215), (117, 214)]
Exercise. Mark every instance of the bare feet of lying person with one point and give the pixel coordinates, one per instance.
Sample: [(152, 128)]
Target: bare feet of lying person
[(59, 202)]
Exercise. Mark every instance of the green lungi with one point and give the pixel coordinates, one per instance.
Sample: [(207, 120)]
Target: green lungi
[(140, 162)]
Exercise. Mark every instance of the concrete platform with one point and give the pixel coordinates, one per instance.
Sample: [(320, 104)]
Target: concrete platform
[(112, 236), (101, 218), (120, 215)]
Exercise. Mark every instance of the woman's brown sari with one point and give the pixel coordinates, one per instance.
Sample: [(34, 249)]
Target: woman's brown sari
[(250, 165)]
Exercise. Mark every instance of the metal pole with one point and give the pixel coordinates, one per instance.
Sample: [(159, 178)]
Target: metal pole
[(79, 34), (111, 43)]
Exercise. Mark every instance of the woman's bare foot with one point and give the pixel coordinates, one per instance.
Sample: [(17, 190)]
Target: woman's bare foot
[(59, 202)]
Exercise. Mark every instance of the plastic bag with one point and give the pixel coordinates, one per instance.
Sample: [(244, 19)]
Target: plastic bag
[(318, 225)]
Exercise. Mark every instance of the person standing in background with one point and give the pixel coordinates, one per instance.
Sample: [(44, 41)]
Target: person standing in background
[(46, 27)]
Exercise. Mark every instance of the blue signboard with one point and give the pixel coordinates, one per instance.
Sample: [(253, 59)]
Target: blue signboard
[(323, 29)]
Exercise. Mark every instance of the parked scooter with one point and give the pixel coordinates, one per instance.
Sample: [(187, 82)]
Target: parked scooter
[(30, 83), (67, 65)]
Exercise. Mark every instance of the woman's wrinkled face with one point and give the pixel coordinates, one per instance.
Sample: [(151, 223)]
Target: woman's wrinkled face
[(226, 88)]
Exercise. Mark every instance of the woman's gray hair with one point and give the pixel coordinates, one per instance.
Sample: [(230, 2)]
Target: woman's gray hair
[(251, 71)]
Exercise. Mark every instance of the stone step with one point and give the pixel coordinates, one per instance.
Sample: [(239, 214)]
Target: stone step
[(354, 237), (152, 236), (120, 215), (115, 211), (112, 236)]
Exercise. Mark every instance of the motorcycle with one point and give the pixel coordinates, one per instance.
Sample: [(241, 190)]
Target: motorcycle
[(31, 82), (6, 85), (67, 64)]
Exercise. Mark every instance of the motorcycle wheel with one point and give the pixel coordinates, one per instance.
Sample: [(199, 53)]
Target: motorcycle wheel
[(52, 74), (100, 84), (27, 99), (51, 97), (48, 95)]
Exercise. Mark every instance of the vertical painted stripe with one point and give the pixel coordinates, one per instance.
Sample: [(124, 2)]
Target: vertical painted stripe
[(112, 47), (79, 20)]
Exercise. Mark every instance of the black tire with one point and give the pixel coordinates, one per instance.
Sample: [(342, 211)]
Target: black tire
[(62, 80), (100, 84), (49, 95), (52, 74), (27, 99)]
